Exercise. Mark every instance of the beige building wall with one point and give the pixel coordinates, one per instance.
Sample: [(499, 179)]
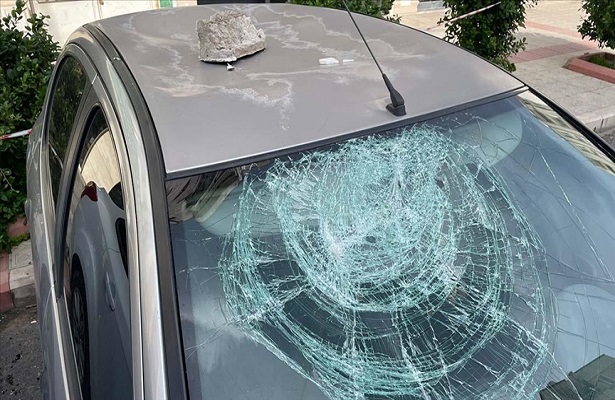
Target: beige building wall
[(6, 6), (68, 15)]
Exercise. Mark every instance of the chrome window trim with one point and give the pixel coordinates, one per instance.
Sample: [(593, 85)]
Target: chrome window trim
[(145, 288), (149, 368), (133, 154), (119, 142)]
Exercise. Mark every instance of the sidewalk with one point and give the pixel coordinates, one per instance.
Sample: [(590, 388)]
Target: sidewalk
[(552, 39)]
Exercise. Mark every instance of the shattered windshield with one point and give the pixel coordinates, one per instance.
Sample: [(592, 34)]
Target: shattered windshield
[(471, 256)]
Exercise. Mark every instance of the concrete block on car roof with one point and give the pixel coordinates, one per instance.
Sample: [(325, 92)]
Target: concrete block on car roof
[(228, 36)]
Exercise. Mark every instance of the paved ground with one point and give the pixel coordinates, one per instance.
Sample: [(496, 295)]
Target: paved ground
[(609, 136), (21, 362), (552, 39)]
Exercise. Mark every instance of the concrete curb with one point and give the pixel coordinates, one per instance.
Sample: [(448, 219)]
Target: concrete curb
[(599, 121), (6, 301), (21, 275), (17, 286), (580, 65)]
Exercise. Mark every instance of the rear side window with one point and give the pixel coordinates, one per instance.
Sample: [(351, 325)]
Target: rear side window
[(67, 93), (96, 282)]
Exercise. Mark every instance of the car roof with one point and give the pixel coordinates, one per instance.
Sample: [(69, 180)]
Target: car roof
[(207, 117)]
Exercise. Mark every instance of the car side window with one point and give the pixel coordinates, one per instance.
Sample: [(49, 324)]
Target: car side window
[(71, 80), (95, 272)]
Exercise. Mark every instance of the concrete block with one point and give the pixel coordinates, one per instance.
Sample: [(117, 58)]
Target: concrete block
[(21, 282), (21, 277), (21, 255), (24, 296), (228, 36)]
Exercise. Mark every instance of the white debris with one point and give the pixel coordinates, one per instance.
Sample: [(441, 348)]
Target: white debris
[(229, 67), (328, 61)]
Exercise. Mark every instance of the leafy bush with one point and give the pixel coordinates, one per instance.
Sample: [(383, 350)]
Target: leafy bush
[(26, 61), (490, 34), (599, 24), (602, 61), (375, 8)]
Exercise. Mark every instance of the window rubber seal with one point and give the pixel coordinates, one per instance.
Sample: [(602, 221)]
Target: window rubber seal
[(175, 366)]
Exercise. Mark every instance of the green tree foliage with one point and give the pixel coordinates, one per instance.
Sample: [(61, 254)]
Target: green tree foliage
[(490, 34), (599, 24), (375, 8), (26, 61)]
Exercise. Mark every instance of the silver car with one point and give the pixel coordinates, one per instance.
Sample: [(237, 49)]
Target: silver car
[(274, 232)]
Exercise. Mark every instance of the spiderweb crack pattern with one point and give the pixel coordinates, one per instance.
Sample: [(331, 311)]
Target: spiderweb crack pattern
[(393, 267)]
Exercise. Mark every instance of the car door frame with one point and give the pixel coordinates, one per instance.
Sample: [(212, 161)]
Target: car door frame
[(158, 368), (96, 95), (45, 251), (157, 352)]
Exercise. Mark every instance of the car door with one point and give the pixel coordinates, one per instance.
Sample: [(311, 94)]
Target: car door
[(60, 158), (91, 255)]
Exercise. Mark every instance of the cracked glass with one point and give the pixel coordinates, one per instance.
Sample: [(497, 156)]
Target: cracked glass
[(466, 257)]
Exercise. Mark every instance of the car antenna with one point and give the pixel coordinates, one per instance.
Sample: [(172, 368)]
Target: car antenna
[(397, 106)]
